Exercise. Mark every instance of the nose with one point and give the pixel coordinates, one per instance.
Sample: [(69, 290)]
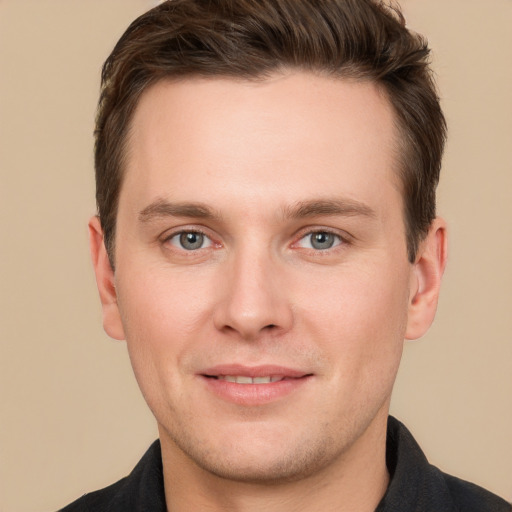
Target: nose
[(254, 299)]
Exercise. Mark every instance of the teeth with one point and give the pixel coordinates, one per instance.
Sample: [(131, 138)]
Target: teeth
[(261, 380), (243, 379)]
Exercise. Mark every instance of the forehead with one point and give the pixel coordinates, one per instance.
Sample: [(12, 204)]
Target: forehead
[(285, 135)]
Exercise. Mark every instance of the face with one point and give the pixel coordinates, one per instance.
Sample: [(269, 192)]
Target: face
[(262, 281)]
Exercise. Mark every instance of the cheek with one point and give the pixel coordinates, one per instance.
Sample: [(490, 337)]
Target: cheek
[(161, 315), (161, 306), (361, 316)]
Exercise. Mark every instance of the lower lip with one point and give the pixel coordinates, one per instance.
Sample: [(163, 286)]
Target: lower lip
[(254, 394)]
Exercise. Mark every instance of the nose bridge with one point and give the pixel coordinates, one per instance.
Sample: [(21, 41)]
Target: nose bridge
[(253, 300)]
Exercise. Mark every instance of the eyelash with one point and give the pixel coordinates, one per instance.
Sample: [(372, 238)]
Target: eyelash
[(194, 231), (339, 240)]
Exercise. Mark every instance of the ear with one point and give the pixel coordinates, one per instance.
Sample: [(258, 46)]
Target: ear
[(105, 281), (426, 277)]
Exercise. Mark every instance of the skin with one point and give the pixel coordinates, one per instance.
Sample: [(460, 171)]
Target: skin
[(269, 163)]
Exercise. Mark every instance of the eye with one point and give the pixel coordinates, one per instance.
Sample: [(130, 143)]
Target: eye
[(319, 240), (190, 240)]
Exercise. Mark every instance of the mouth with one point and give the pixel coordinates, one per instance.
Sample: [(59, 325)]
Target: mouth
[(244, 385), (244, 379)]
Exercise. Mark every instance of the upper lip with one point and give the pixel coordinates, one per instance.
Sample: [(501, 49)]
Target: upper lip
[(253, 371)]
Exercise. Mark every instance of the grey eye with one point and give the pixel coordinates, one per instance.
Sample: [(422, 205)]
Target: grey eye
[(320, 240), (190, 240)]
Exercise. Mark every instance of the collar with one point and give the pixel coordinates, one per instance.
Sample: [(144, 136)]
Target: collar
[(415, 485)]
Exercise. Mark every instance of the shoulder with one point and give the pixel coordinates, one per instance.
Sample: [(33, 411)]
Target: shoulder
[(98, 501), (469, 497), (418, 485), (142, 489)]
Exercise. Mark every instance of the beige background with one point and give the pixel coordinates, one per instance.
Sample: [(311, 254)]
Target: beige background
[(72, 418)]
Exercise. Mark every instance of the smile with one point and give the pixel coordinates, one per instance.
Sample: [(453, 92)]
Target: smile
[(254, 386), (244, 379)]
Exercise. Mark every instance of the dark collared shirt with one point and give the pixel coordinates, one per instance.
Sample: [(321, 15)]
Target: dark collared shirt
[(415, 485)]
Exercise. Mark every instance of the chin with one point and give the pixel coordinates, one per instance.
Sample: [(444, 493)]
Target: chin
[(253, 456), (269, 469)]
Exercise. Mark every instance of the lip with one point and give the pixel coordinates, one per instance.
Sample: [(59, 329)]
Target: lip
[(253, 394)]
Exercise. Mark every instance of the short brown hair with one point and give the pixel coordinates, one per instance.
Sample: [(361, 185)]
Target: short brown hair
[(357, 39)]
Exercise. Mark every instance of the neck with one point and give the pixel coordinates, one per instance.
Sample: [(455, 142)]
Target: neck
[(356, 480)]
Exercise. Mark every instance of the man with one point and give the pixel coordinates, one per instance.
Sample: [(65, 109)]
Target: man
[(266, 241)]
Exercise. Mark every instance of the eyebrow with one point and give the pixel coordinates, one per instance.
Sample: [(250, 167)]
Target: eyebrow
[(302, 209), (163, 208), (325, 207)]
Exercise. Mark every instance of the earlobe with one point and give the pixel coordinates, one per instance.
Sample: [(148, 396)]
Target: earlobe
[(426, 277), (105, 281)]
